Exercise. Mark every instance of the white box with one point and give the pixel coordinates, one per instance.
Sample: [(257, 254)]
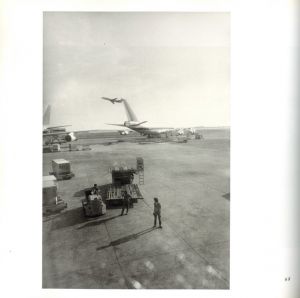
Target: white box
[(61, 166)]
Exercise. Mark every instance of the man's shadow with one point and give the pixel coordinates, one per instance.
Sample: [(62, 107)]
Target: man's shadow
[(126, 238)]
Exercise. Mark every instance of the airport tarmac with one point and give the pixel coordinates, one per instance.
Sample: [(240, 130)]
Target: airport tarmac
[(192, 182)]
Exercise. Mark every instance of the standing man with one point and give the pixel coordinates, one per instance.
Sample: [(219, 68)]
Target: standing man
[(157, 212), (126, 202)]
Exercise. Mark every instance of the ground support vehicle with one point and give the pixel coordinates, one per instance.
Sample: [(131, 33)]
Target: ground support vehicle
[(93, 205)]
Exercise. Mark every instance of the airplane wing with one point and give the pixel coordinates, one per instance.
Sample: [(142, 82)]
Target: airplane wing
[(161, 128), (116, 124), (139, 123), (59, 126), (107, 98)]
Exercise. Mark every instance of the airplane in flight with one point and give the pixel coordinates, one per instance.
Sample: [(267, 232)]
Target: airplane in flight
[(134, 124), (113, 100), (58, 133)]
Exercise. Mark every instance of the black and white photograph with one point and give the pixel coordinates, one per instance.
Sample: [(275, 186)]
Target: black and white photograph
[(149, 148), (136, 150)]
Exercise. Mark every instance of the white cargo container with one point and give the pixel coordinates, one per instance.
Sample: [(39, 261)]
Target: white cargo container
[(61, 169), (51, 201), (49, 190), (49, 180)]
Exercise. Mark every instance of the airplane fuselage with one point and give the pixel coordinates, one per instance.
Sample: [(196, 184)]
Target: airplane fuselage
[(148, 131)]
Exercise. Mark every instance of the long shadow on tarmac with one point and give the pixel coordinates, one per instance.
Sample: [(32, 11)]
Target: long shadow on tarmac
[(69, 218), (75, 216), (97, 222), (126, 238)]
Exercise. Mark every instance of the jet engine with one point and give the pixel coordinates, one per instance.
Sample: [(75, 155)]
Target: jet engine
[(123, 132), (70, 137), (180, 131)]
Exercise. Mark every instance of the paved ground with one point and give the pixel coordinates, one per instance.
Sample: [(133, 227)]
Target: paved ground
[(191, 251)]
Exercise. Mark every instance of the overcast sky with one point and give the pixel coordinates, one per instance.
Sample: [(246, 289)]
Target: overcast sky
[(173, 68)]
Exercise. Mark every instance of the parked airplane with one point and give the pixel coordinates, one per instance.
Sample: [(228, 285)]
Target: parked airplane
[(134, 124), (55, 133)]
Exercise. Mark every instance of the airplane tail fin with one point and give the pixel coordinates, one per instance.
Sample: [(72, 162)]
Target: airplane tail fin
[(130, 114), (46, 116)]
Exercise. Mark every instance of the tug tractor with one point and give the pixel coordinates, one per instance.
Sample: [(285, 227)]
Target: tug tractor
[(93, 205)]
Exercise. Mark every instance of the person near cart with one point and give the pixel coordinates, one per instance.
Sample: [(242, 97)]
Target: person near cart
[(95, 190), (126, 202)]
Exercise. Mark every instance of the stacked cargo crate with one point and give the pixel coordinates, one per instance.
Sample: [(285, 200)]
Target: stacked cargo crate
[(51, 201), (61, 169)]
